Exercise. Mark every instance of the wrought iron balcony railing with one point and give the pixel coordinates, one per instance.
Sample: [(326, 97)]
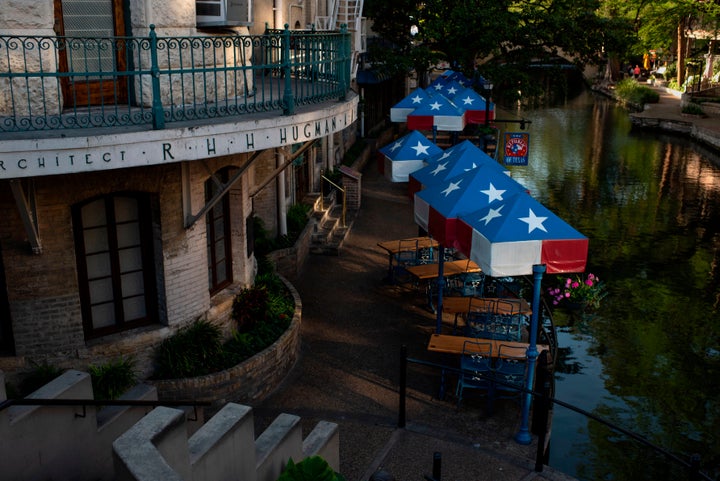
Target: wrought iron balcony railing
[(55, 83)]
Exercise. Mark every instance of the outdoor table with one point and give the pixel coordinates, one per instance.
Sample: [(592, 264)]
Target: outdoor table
[(394, 247), (425, 272), (506, 305), (449, 344), (458, 305), (429, 272)]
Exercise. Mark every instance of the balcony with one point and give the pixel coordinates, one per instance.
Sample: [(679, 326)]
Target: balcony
[(65, 86)]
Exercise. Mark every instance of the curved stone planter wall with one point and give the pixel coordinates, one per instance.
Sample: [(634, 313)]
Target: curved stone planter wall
[(250, 381)]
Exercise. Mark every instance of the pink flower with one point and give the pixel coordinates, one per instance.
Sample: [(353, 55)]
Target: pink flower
[(589, 282), (575, 285)]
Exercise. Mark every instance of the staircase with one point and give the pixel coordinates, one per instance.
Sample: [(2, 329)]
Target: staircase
[(328, 229), (347, 12)]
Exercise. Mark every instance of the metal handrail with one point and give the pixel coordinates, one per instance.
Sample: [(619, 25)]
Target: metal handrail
[(344, 205), (94, 402), (61, 82), (543, 398)]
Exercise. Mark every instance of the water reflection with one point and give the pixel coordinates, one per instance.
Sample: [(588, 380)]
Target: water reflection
[(649, 359)]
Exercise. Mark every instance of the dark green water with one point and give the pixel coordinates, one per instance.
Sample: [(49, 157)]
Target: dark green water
[(649, 358)]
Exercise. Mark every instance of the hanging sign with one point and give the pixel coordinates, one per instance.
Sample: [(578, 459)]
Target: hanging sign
[(516, 148)]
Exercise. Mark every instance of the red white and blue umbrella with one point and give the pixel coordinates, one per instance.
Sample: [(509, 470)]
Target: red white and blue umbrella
[(400, 111), (519, 237), (456, 160), (449, 88), (406, 155), (438, 207), (508, 238), (437, 112), (474, 106)]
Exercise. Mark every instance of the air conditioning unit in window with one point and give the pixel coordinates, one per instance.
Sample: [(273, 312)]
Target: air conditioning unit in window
[(223, 13)]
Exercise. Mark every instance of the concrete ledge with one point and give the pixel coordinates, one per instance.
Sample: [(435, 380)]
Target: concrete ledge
[(141, 453), (281, 441), (324, 441)]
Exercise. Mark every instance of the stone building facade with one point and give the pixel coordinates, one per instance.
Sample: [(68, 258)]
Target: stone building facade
[(114, 238)]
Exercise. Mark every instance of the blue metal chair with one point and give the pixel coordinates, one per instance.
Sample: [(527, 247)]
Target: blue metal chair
[(406, 255), (475, 369), (509, 373), (506, 327), (469, 284), (479, 324)]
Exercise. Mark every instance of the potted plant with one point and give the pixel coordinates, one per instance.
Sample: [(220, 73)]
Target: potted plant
[(579, 292)]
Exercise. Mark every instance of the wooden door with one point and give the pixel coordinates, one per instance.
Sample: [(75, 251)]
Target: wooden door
[(95, 20)]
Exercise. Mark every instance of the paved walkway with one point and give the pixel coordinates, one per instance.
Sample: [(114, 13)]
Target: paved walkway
[(353, 328)]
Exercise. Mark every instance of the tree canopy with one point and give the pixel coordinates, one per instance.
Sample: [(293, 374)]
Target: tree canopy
[(502, 38)]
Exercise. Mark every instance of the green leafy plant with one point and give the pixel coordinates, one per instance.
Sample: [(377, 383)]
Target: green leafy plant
[(113, 378), (313, 468), (629, 90), (193, 351), (588, 291), (262, 312), (693, 109), (41, 374)]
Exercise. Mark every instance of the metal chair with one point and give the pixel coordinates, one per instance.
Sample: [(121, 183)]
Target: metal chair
[(406, 255), (475, 369), (509, 373)]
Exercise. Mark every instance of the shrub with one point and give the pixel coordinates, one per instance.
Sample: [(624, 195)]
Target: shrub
[(313, 468), (112, 379), (249, 307), (40, 375), (693, 109), (193, 351), (263, 313), (630, 91)]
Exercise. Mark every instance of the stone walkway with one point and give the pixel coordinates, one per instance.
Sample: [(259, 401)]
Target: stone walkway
[(354, 325)]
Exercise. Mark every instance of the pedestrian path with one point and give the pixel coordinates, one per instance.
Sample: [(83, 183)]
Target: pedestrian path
[(353, 328)]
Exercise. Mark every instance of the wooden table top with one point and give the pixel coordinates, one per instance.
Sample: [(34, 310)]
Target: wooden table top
[(395, 246), (498, 305), (450, 268), (450, 344)]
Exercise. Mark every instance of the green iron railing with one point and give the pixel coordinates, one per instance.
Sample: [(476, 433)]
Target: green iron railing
[(53, 83)]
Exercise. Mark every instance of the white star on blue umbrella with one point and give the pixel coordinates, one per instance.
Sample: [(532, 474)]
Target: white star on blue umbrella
[(492, 214), (533, 221), (451, 188), (493, 193), (420, 149)]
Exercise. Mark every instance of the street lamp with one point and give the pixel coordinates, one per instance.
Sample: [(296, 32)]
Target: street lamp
[(487, 86), (489, 139)]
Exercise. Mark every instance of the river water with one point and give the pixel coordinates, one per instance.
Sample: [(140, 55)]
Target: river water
[(648, 359)]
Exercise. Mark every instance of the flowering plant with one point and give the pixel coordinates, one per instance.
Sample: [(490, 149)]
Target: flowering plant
[(589, 291)]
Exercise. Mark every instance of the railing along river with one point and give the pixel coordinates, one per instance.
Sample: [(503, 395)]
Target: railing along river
[(55, 82)]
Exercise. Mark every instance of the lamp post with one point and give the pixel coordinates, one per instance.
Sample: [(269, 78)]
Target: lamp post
[(488, 139), (487, 86)]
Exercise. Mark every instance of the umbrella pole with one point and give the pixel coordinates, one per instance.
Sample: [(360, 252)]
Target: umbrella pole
[(440, 285), (523, 436)]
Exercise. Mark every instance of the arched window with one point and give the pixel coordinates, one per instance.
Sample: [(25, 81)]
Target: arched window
[(115, 250), (217, 223)]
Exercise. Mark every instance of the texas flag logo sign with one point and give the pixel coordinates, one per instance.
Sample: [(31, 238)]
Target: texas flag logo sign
[(516, 148)]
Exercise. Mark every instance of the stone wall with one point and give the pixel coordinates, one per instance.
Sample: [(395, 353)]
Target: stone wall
[(249, 381), (290, 262)]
